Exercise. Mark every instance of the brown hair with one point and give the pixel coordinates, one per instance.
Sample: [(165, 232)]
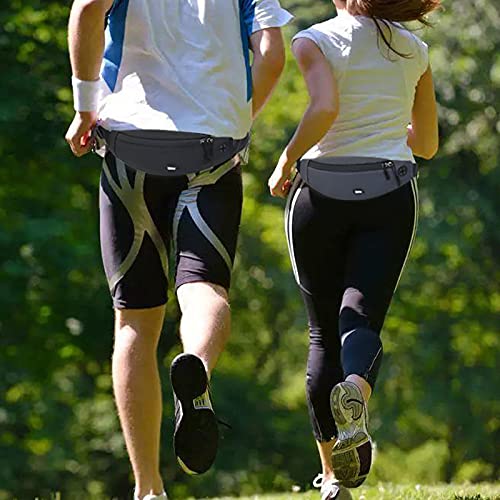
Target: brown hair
[(388, 12)]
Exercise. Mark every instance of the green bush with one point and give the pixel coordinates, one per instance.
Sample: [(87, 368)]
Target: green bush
[(425, 464), (474, 471)]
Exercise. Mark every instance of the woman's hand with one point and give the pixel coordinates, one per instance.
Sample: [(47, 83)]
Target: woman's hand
[(279, 183)]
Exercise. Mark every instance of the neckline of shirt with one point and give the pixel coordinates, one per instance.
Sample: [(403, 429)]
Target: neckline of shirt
[(345, 13)]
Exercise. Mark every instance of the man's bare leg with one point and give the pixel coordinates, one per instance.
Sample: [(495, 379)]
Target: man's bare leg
[(206, 320), (205, 326), (137, 389)]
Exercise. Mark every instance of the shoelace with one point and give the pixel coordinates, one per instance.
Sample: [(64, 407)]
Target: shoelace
[(319, 483), (219, 421), (225, 424)]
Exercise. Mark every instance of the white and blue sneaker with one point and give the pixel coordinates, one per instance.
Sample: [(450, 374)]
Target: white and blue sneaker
[(331, 489), (352, 453)]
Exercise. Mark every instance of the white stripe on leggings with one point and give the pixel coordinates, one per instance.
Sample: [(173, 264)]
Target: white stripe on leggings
[(290, 206), (414, 190)]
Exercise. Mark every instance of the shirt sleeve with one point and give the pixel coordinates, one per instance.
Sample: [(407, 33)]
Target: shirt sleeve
[(420, 53), (261, 14), (313, 35), (330, 45), (424, 57)]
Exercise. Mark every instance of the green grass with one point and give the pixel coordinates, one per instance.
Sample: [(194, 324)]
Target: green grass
[(382, 491), (386, 491)]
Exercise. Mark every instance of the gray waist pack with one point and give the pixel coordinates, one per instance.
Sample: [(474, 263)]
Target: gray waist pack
[(355, 178), (170, 153)]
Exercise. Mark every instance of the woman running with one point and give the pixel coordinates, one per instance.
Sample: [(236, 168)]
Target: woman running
[(352, 210)]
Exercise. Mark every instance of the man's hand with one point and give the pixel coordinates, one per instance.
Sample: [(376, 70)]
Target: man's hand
[(86, 48), (279, 183), (78, 134)]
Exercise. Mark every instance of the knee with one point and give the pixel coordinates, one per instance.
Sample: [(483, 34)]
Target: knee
[(353, 313), (203, 295), (138, 326)]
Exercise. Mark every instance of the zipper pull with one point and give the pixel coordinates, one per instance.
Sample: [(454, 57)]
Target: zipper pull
[(387, 165), (207, 143)]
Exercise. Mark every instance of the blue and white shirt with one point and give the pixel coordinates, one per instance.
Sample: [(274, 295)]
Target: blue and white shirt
[(182, 64)]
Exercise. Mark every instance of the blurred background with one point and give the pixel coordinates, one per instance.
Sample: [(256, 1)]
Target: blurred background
[(436, 412)]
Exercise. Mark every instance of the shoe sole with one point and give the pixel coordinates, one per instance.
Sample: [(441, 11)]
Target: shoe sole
[(351, 454), (197, 434)]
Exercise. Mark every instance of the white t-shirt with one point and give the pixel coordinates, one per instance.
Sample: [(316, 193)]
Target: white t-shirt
[(376, 87), (182, 64)]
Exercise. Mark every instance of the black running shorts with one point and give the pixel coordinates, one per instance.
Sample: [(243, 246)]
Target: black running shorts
[(145, 219)]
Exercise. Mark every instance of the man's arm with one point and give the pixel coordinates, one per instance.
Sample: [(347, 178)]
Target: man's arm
[(86, 47), (268, 63)]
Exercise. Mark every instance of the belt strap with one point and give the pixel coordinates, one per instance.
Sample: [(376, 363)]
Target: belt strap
[(165, 152), (359, 164)]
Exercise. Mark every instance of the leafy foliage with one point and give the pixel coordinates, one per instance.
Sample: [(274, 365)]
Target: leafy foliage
[(437, 401)]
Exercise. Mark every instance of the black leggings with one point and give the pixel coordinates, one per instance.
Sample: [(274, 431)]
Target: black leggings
[(347, 257)]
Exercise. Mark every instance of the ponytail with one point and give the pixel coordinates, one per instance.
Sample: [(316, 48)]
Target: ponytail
[(387, 12)]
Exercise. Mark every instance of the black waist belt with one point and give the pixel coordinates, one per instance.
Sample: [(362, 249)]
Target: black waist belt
[(170, 153), (355, 178)]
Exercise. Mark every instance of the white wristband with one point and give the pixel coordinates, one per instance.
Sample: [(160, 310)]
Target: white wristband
[(86, 94)]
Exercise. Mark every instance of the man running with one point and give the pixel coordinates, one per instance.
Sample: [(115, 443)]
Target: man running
[(178, 66)]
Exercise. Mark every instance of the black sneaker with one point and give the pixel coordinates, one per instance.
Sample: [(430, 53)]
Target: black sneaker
[(196, 433), (352, 453)]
